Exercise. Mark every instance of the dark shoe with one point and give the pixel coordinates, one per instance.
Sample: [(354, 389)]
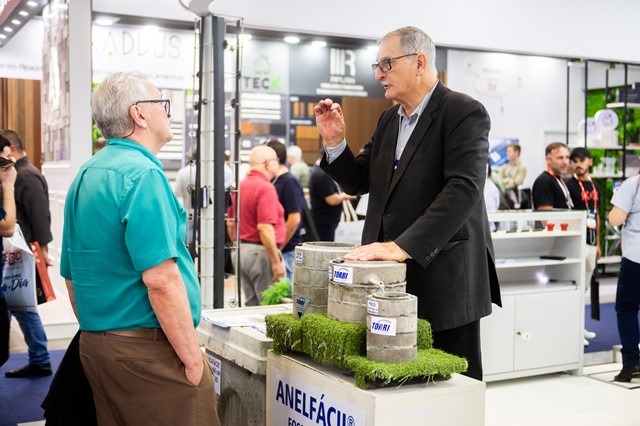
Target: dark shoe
[(628, 373), (30, 370)]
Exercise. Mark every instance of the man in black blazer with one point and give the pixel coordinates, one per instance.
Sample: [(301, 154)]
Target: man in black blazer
[(424, 169)]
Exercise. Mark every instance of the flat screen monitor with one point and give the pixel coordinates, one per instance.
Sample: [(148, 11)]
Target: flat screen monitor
[(498, 150)]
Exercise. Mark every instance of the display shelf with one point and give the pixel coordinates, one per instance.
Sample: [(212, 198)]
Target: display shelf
[(555, 216), (529, 262), (504, 235), (630, 105), (529, 287), (615, 147), (607, 176), (538, 330)]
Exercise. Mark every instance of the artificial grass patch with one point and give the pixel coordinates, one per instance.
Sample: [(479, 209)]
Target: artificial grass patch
[(430, 365), (331, 342), (344, 345), (286, 332)]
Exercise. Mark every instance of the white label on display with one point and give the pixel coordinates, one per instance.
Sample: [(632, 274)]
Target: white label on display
[(299, 257), (383, 326), (301, 304), (294, 402), (372, 307), (216, 367), (343, 275)]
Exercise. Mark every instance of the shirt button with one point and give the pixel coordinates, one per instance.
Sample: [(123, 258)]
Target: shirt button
[(435, 251)]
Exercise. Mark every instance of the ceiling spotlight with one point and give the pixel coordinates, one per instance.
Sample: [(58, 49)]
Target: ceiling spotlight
[(104, 21), (32, 4), (8, 29), (15, 22), (319, 43), (23, 13), (292, 39), (2, 36)]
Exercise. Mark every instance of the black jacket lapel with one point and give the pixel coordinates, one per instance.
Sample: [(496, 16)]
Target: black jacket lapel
[(417, 136)]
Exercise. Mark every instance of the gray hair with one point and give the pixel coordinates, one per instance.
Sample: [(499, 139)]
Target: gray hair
[(414, 40), (294, 151), (111, 100)]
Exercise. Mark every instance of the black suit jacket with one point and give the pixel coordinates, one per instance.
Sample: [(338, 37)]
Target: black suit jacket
[(432, 205)]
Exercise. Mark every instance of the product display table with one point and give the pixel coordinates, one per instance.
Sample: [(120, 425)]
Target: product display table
[(236, 345), (301, 392)]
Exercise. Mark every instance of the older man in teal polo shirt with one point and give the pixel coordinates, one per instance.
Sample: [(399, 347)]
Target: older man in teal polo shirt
[(131, 280)]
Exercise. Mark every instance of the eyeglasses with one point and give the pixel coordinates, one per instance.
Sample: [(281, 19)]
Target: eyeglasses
[(385, 64), (166, 103)]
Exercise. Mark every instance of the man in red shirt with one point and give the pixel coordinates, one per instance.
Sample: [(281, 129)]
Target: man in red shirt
[(262, 229)]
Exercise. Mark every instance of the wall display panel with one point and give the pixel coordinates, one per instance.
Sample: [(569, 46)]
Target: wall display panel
[(22, 56), (333, 71), (524, 95), (55, 82)]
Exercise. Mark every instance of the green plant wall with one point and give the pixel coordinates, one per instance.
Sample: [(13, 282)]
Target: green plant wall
[(596, 101)]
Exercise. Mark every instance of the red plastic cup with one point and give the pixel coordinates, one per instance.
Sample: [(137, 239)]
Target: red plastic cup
[(564, 226), (550, 226)]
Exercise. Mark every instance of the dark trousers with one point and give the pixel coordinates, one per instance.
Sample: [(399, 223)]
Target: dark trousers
[(627, 303), (327, 232), (462, 341)]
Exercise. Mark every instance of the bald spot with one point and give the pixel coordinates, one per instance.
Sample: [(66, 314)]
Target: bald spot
[(260, 154)]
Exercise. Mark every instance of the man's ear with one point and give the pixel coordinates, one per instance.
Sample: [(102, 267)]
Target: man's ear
[(421, 63), (138, 116)]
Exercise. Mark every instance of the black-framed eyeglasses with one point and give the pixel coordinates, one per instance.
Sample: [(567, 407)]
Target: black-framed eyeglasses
[(166, 103), (385, 64)]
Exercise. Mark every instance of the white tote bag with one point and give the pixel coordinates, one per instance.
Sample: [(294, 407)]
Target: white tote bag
[(349, 228), (19, 273)]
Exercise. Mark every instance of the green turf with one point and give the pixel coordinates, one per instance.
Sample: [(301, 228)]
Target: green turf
[(344, 345)]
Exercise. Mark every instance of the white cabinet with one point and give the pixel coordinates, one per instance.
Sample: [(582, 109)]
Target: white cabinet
[(539, 328)]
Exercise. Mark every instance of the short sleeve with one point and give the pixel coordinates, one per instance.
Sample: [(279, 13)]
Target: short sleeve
[(149, 212), (623, 196), (267, 206), (326, 186), (292, 197), (541, 193)]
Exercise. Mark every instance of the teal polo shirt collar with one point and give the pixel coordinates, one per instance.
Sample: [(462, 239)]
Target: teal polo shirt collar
[(128, 143)]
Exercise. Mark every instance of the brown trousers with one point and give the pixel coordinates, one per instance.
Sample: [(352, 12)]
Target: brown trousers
[(138, 381)]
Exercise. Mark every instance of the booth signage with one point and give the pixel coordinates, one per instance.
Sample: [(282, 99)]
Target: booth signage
[(265, 67), (165, 56), (296, 403), (334, 72)]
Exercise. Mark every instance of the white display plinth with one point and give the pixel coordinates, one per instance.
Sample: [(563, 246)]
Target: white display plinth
[(301, 392)]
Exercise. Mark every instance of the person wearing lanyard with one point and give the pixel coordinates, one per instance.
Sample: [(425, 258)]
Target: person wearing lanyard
[(549, 190), (585, 195)]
